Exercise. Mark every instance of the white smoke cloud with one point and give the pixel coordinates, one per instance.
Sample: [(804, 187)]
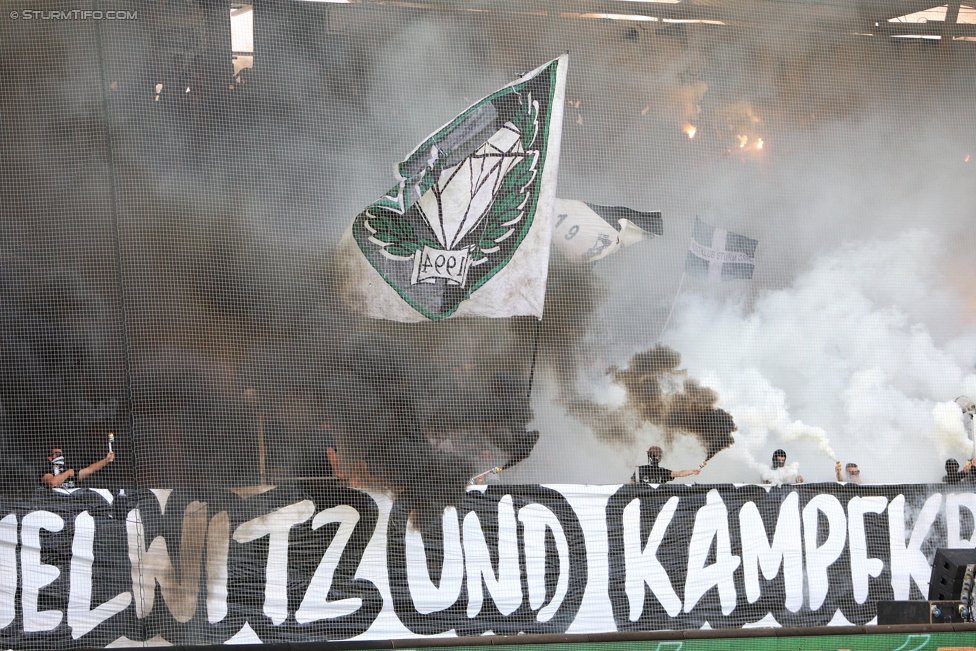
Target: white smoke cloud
[(846, 351), (787, 474), (841, 365), (949, 432), (763, 418)]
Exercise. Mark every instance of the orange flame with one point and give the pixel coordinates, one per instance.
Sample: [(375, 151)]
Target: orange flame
[(690, 129), (967, 159), (759, 145)]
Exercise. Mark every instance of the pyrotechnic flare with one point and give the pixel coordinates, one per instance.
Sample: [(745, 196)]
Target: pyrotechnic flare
[(492, 471)]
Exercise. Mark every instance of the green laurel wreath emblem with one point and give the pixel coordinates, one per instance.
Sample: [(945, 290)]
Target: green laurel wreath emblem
[(389, 229), (501, 146)]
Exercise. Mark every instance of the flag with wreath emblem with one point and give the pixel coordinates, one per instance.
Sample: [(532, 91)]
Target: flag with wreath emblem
[(466, 229)]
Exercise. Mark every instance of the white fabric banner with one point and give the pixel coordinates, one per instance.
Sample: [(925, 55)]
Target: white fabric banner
[(300, 563), (467, 228)]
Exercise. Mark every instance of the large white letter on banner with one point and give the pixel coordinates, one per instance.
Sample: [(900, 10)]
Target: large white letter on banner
[(427, 597), (506, 591), (8, 569), (711, 522), (218, 541), (82, 618), (535, 519), (908, 562), (152, 565), (35, 574), (315, 604), (276, 526), (787, 549), (821, 558), (954, 503), (862, 567), (642, 565)]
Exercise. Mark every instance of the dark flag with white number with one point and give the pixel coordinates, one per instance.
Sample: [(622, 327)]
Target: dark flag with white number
[(466, 229), (716, 254)]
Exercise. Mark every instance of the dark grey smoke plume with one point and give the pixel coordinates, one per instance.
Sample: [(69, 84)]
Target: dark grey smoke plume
[(192, 424), (660, 395), (422, 407), (196, 223), (60, 375), (234, 332), (375, 396)]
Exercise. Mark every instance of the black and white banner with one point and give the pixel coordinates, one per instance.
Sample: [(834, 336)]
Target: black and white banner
[(92, 568)]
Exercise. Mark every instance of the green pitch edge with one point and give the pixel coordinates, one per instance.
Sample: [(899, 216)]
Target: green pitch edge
[(955, 641)]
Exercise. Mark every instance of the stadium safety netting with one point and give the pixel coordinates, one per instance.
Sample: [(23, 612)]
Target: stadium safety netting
[(388, 319)]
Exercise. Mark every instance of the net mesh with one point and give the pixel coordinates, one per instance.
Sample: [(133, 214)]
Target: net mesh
[(176, 179)]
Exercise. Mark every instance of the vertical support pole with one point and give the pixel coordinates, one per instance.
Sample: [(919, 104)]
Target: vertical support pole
[(262, 451), (535, 353), (676, 295), (949, 28)]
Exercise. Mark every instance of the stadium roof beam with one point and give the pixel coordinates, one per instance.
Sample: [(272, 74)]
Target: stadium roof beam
[(842, 16), (879, 11), (863, 17), (940, 28)]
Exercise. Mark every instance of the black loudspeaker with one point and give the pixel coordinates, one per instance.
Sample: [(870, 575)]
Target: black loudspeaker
[(922, 612), (948, 570), (903, 612)]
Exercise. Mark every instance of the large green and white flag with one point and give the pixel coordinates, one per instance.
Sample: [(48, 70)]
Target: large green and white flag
[(466, 229)]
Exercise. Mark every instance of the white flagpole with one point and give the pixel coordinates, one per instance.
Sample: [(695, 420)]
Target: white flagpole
[(678, 293)]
